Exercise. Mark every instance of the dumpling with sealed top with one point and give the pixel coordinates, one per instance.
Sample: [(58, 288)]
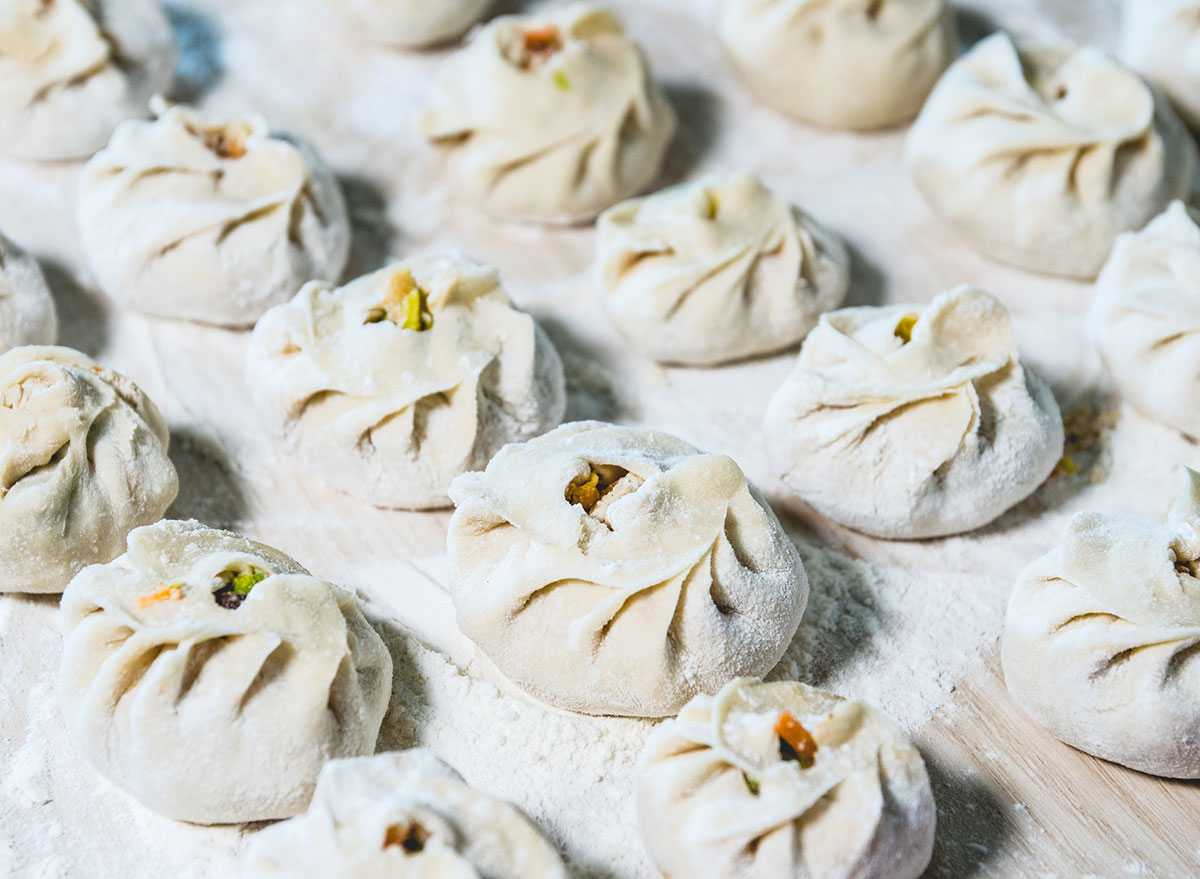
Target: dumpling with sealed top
[(403, 815), (209, 217), (83, 461), (1161, 40), (618, 570), (71, 70), (715, 271), (211, 677), (1041, 155), (1145, 318), (391, 386), (1100, 642), (912, 421), (770, 780), (856, 64), (411, 23), (551, 117), (27, 315)]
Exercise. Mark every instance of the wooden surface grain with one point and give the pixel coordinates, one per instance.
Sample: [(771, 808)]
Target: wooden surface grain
[(1012, 801)]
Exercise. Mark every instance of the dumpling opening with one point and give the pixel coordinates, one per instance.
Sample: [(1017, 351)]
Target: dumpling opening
[(534, 47), (1186, 566), (225, 141), (603, 486), (410, 837), (236, 585), (405, 304), (904, 329)]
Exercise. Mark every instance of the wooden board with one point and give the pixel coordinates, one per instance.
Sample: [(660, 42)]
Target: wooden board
[(1012, 801)]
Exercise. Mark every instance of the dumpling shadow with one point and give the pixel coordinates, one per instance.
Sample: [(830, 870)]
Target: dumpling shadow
[(373, 232), (973, 824), (592, 394), (409, 700), (201, 63), (972, 26), (840, 620), (698, 111), (209, 489), (868, 282), (82, 318)]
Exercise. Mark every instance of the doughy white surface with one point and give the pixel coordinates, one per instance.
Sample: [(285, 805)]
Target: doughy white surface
[(900, 624)]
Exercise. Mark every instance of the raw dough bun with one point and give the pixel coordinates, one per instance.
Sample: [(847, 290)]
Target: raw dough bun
[(83, 460), (910, 439), (411, 24), (27, 315), (209, 217), (711, 272), (667, 577), (208, 713), (1041, 155), (862, 810), (402, 815), (1100, 643), (392, 415), (71, 70), (1145, 318), (856, 64), (554, 134), (1161, 40)]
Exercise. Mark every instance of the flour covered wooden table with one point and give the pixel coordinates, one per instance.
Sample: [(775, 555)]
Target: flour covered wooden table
[(911, 627)]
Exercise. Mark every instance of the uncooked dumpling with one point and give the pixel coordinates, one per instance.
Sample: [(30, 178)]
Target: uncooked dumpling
[(1041, 155), (71, 70), (1100, 643), (209, 217), (856, 64), (1145, 318), (765, 781), (1161, 40), (402, 815), (618, 570), (27, 315), (391, 386), (711, 272), (914, 421), (411, 23), (550, 117), (83, 460), (211, 677)]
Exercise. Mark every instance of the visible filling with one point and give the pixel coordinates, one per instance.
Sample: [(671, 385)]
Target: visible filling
[(713, 203), (904, 329), (171, 592), (600, 488), (405, 304), (410, 837), (237, 587), (538, 45), (227, 142), (1185, 567), (795, 744)]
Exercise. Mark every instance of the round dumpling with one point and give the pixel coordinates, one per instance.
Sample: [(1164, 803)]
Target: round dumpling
[(209, 218), (210, 676), (617, 570), (83, 460), (1145, 318), (391, 386), (411, 23), (711, 272), (1100, 643), (404, 815), (764, 781), (71, 70), (27, 315), (914, 421), (856, 64), (1041, 155), (550, 117), (1161, 40)]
